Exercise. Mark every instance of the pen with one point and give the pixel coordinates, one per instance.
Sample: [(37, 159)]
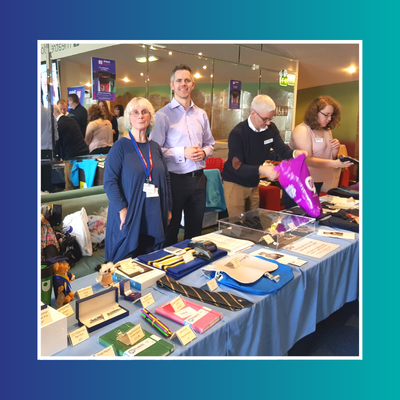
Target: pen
[(149, 317), (155, 322)]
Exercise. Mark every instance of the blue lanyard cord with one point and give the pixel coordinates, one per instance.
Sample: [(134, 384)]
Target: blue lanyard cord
[(146, 165)]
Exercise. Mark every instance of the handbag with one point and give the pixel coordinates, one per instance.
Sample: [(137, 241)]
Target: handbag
[(69, 247)]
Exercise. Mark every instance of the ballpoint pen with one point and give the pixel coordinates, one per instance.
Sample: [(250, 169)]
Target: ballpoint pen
[(149, 317)]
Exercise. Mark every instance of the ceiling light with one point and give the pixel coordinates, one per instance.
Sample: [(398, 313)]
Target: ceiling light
[(197, 75), (144, 59), (211, 75), (352, 70), (200, 54), (204, 66), (141, 74), (125, 79), (88, 84), (170, 53)]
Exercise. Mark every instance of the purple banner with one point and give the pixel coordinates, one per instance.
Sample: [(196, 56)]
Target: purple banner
[(234, 94), (103, 79)]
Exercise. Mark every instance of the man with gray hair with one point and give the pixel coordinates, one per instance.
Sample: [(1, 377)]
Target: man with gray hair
[(249, 145)]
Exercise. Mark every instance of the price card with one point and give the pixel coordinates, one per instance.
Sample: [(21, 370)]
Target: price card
[(107, 352), (185, 335), (78, 335), (212, 284), (234, 263), (66, 310), (177, 303), (298, 262), (187, 257), (85, 292), (147, 300), (45, 317), (135, 334), (268, 239)]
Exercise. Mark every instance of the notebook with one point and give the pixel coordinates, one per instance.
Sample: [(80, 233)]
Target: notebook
[(199, 317), (149, 346)]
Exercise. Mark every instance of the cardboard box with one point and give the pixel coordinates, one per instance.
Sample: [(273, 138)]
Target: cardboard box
[(143, 276), (54, 335)]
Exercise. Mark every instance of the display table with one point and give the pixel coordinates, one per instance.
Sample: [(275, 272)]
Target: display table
[(269, 328)]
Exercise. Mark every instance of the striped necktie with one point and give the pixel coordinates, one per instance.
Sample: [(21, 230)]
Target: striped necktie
[(218, 299)]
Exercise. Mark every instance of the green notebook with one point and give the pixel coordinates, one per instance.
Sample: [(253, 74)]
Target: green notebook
[(149, 346)]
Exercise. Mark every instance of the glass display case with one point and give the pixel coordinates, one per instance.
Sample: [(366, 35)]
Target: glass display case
[(273, 229)]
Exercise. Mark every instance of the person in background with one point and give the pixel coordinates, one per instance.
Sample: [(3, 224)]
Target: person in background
[(99, 134), (62, 104), (249, 146), (183, 131), (315, 137), (119, 114), (137, 184), (48, 125), (112, 118), (70, 143), (78, 112)]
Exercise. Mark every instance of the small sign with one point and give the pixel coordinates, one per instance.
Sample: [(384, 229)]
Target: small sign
[(281, 111), (177, 303), (66, 310), (45, 317), (85, 292), (135, 334), (268, 239), (78, 335), (147, 300), (107, 352), (185, 335), (298, 263), (212, 284), (235, 89), (187, 257), (234, 263)]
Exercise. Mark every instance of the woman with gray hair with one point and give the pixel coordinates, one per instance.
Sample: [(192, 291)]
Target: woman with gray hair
[(137, 184)]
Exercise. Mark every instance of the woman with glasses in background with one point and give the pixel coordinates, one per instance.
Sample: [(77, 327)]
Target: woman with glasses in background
[(137, 184), (314, 136)]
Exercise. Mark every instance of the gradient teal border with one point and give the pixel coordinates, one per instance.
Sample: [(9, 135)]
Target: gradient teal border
[(375, 25)]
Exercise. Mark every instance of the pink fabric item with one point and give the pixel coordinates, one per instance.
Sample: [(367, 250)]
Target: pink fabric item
[(295, 178), (201, 325)]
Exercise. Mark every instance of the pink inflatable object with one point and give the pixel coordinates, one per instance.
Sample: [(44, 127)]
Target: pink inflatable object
[(295, 178)]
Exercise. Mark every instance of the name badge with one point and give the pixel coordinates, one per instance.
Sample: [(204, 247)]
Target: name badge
[(148, 188), (319, 140), (268, 141)]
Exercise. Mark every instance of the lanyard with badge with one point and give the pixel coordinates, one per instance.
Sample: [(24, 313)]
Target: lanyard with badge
[(148, 187)]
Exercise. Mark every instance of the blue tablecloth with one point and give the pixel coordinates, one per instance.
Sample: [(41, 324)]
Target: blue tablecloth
[(269, 328)]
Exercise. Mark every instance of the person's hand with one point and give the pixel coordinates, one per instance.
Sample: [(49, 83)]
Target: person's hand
[(122, 217), (334, 144), (194, 153), (269, 172), (340, 164), (298, 152), (169, 216)]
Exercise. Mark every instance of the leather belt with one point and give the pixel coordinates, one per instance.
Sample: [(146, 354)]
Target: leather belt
[(198, 172)]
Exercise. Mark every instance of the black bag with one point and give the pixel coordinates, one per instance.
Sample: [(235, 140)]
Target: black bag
[(69, 247)]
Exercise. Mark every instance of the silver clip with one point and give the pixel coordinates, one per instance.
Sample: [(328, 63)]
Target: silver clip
[(275, 278)]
